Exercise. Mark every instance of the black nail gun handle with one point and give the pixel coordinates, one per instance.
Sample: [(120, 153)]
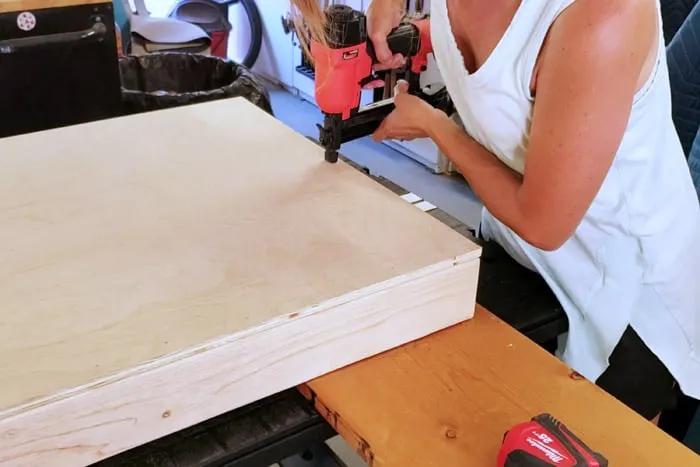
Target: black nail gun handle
[(404, 40)]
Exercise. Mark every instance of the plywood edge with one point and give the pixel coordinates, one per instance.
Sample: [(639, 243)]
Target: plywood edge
[(175, 357), (166, 395)]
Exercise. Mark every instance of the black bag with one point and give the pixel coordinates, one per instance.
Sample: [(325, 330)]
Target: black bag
[(673, 14), (164, 80)]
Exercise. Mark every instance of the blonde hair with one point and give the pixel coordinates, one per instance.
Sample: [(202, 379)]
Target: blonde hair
[(309, 19)]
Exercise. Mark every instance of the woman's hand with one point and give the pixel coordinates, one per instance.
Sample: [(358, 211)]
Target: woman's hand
[(411, 118), (383, 16)]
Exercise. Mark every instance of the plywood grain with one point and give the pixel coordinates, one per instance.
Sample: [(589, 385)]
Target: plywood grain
[(447, 400), (163, 268), (18, 6)]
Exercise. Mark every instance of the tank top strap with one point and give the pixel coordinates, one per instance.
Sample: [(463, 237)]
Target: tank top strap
[(520, 45), (502, 81)]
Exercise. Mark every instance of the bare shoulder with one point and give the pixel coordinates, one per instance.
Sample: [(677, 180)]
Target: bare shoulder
[(622, 34), (597, 14)]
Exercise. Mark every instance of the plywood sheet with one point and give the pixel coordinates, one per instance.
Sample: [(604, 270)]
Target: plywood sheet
[(163, 268)]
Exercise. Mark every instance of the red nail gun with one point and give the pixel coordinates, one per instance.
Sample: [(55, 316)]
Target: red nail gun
[(545, 442), (344, 65)]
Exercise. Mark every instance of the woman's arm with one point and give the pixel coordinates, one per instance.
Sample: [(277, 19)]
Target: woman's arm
[(585, 87)]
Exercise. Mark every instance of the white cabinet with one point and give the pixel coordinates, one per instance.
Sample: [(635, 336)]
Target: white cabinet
[(303, 83), (281, 53), (276, 60)]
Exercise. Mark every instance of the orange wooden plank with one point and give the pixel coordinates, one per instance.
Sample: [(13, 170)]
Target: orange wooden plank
[(447, 400)]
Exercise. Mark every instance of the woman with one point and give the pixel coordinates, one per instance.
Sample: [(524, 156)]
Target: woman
[(568, 141)]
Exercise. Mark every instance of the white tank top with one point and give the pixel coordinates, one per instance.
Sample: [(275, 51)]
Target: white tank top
[(635, 258)]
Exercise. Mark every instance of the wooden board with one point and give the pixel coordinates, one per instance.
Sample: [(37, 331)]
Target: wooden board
[(10, 6), (448, 399), (164, 268)]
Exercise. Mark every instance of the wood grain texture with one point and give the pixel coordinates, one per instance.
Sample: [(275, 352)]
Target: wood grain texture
[(166, 267), (18, 6), (446, 401)]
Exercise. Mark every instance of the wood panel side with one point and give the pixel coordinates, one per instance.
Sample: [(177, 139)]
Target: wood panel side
[(167, 395)]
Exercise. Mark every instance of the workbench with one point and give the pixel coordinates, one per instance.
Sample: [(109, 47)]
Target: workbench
[(447, 400), (420, 404), (345, 401)]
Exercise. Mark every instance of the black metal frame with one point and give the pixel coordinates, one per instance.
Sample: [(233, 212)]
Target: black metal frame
[(256, 435), (316, 455)]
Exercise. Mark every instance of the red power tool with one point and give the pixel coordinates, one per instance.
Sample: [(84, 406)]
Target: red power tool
[(344, 64), (546, 442)]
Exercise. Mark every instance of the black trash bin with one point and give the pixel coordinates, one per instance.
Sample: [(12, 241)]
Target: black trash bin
[(164, 80)]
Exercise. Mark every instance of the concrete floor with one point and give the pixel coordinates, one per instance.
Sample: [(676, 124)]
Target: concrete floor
[(450, 193)]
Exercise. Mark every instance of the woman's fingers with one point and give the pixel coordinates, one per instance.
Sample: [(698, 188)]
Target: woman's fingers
[(401, 87), (382, 18), (397, 61), (387, 130), (380, 133)]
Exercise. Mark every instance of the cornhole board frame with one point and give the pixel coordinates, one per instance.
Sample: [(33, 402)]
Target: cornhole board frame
[(161, 269)]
